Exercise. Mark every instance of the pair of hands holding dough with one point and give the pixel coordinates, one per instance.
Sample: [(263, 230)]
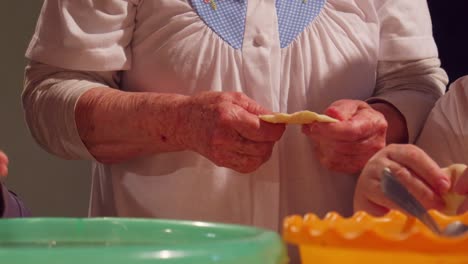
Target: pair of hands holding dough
[(228, 129), (443, 189), (345, 137)]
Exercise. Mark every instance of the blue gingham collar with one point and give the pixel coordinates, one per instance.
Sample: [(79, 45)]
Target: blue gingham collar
[(227, 18)]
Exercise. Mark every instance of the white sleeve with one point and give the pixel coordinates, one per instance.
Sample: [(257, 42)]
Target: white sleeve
[(89, 35), (405, 31), (49, 99), (445, 134), (412, 87)]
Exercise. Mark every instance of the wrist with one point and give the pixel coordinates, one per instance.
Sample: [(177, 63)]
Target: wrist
[(116, 125), (397, 131), (163, 120), (185, 129)]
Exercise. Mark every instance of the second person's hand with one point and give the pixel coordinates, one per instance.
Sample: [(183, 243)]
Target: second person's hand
[(460, 186), (412, 167), (3, 164)]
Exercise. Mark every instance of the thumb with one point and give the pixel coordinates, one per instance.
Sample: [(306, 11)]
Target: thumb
[(344, 109)]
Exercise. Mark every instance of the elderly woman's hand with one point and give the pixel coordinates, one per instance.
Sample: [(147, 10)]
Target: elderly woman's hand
[(347, 145), (412, 167), (225, 128), (3, 164)]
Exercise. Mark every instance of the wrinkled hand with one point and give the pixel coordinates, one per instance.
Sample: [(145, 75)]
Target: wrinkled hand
[(3, 164), (225, 128), (461, 187), (347, 145), (413, 168)]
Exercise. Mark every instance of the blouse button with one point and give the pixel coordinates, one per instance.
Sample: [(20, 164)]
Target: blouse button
[(260, 40)]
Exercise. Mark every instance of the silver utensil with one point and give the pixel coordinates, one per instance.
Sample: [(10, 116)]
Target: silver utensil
[(398, 193)]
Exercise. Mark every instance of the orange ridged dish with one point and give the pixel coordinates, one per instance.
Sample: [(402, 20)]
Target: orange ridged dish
[(363, 238)]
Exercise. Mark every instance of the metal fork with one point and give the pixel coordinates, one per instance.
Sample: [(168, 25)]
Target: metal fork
[(398, 193)]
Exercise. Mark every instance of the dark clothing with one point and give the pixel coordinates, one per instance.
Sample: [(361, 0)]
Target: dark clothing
[(11, 205), (449, 19)]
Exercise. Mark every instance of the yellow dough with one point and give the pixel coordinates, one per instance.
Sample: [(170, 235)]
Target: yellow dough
[(302, 117), (453, 200)]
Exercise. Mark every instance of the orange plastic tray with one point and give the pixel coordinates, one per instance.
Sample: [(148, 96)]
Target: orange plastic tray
[(363, 239)]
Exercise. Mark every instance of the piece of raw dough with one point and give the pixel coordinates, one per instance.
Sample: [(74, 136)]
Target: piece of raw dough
[(302, 117), (452, 199)]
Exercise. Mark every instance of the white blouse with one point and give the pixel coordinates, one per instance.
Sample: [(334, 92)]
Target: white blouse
[(445, 134), (288, 55)]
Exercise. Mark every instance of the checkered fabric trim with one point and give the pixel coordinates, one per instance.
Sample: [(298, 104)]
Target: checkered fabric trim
[(225, 17), (294, 16)]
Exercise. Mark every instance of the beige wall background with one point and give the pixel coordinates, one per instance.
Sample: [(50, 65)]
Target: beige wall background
[(49, 185)]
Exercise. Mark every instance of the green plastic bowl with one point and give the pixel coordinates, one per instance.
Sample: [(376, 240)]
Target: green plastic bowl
[(125, 240)]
